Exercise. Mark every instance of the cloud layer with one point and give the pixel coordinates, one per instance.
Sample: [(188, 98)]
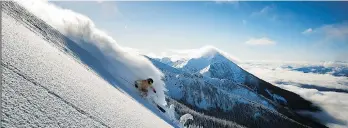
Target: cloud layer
[(337, 31), (260, 41), (334, 104)]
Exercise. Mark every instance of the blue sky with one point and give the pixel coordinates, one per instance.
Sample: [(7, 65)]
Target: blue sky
[(289, 31)]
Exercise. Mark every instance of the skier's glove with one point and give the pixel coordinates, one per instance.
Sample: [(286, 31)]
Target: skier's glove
[(154, 90)]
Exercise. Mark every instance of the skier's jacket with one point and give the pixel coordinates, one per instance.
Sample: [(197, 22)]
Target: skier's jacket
[(143, 85)]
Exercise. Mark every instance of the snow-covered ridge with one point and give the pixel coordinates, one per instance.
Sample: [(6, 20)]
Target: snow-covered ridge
[(45, 87), (71, 48)]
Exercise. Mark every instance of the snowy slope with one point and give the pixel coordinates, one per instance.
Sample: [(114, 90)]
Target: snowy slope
[(122, 66), (95, 49), (45, 87)]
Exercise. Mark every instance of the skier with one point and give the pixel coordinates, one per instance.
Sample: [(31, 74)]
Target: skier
[(142, 86)]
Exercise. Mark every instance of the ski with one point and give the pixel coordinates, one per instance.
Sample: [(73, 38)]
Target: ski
[(160, 108)]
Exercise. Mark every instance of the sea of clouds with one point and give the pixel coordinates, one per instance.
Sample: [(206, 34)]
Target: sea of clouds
[(326, 90)]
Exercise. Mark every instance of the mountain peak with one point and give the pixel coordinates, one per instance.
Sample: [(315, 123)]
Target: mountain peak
[(208, 51), (198, 58), (211, 52)]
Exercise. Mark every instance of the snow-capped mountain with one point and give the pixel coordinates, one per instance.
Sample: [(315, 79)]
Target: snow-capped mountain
[(216, 65), (214, 84)]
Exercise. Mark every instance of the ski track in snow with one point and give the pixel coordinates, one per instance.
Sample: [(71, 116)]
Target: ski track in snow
[(24, 95), (43, 87)]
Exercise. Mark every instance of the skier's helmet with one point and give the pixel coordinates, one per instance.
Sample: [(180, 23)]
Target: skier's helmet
[(149, 80)]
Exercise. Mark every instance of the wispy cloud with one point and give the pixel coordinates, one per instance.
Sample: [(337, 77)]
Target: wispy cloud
[(269, 13), (307, 31), (263, 11), (337, 31), (260, 41), (244, 22)]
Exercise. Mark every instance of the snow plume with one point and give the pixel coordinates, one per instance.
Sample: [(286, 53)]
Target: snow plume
[(327, 91), (124, 66), (170, 112)]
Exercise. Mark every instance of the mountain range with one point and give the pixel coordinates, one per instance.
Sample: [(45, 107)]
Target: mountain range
[(215, 85)]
